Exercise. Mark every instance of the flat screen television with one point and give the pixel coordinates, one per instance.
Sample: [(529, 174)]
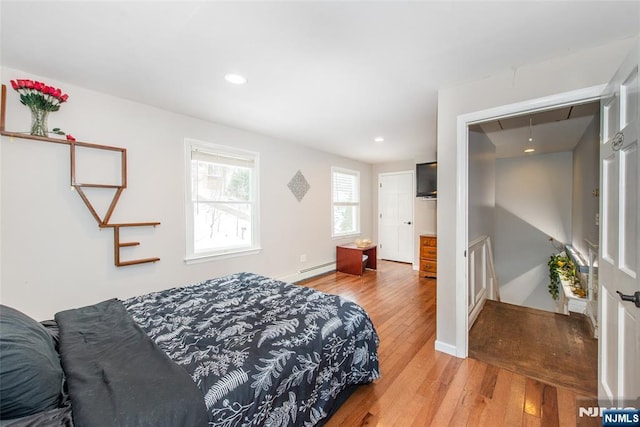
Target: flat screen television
[(427, 180)]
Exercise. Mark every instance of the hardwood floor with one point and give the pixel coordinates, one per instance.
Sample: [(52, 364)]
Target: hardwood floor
[(421, 386), (549, 347)]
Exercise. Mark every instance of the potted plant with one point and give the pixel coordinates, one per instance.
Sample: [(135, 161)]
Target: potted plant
[(561, 267)]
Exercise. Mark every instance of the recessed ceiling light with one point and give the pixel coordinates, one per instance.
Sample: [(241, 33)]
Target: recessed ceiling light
[(236, 79), (529, 150), (379, 139)]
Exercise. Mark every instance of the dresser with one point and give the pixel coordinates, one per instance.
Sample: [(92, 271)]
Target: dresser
[(428, 255)]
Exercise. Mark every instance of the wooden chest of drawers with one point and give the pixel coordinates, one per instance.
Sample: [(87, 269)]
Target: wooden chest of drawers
[(428, 255)]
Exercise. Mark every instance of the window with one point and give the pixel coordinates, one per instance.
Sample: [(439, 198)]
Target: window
[(222, 200), (345, 193)]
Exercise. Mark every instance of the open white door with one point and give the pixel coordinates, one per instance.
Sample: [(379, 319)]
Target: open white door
[(395, 216), (619, 258)]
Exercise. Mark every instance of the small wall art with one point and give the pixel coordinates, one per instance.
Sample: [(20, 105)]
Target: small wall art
[(298, 186)]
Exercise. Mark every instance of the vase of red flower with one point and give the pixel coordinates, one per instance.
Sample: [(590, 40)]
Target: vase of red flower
[(39, 124), (41, 99)]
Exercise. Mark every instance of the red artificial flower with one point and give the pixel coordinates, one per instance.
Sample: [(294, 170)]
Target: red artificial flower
[(38, 95), (70, 138)]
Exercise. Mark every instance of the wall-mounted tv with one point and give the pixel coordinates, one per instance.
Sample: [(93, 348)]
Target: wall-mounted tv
[(427, 180)]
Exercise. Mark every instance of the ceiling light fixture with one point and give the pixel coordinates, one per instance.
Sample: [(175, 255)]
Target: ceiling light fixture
[(235, 79), (530, 149), (379, 139)]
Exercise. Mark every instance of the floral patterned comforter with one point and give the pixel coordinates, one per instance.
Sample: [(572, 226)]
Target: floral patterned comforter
[(263, 352)]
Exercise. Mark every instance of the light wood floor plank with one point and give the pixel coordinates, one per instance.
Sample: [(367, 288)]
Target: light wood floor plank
[(516, 406), (549, 416), (497, 409)]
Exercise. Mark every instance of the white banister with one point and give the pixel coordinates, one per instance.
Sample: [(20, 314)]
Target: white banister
[(482, 281)]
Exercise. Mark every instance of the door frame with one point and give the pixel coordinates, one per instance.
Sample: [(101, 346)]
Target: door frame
[(413, 211), (592, 93)]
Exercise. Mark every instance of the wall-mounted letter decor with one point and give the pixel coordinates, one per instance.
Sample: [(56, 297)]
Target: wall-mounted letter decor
[(103, 222)]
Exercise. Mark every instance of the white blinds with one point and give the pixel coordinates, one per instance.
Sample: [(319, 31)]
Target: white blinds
[(221, 159), (345, 187)]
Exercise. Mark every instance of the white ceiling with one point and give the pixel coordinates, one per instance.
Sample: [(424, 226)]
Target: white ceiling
[(332, 75), (552, 131)]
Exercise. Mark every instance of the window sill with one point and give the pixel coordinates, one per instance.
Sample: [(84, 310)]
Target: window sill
[(346, 236), (197, 259)]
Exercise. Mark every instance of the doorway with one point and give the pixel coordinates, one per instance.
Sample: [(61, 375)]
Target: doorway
[(462, 190), (395, 216), (535, 177), (533, 183)]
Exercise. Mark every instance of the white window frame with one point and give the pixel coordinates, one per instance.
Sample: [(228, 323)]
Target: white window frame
[(356, 203), (232, 251)]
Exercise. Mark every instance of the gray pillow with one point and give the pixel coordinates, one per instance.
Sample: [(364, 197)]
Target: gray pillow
[(30, 371)]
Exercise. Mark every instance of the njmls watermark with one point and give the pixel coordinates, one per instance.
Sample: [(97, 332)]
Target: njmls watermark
[(627, 414)]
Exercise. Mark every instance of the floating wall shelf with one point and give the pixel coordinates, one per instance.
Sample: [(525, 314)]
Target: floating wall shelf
[(79, 187)]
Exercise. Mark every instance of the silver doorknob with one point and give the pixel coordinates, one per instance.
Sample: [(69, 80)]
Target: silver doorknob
[(635, 298)]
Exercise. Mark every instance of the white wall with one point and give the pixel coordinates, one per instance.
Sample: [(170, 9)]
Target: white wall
[(533, 203), (482, 186), (586, 177), (424, 211), (53, 254), (574, 71)]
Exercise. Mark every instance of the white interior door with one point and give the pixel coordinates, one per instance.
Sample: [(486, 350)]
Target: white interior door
[(619, 258), (395, 216)]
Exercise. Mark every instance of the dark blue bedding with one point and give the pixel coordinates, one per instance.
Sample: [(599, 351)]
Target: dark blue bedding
[(117, 376), (262, 352)]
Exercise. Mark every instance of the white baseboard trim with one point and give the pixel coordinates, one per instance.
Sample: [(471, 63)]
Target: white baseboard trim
[(446, 348), (297, 277)]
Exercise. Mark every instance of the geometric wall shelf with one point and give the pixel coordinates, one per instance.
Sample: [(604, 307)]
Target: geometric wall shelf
[(83, 189)]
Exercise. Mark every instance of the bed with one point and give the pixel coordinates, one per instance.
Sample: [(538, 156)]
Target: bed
[(254, 351)]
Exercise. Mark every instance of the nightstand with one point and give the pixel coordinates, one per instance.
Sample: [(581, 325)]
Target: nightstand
[(349, 258)]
